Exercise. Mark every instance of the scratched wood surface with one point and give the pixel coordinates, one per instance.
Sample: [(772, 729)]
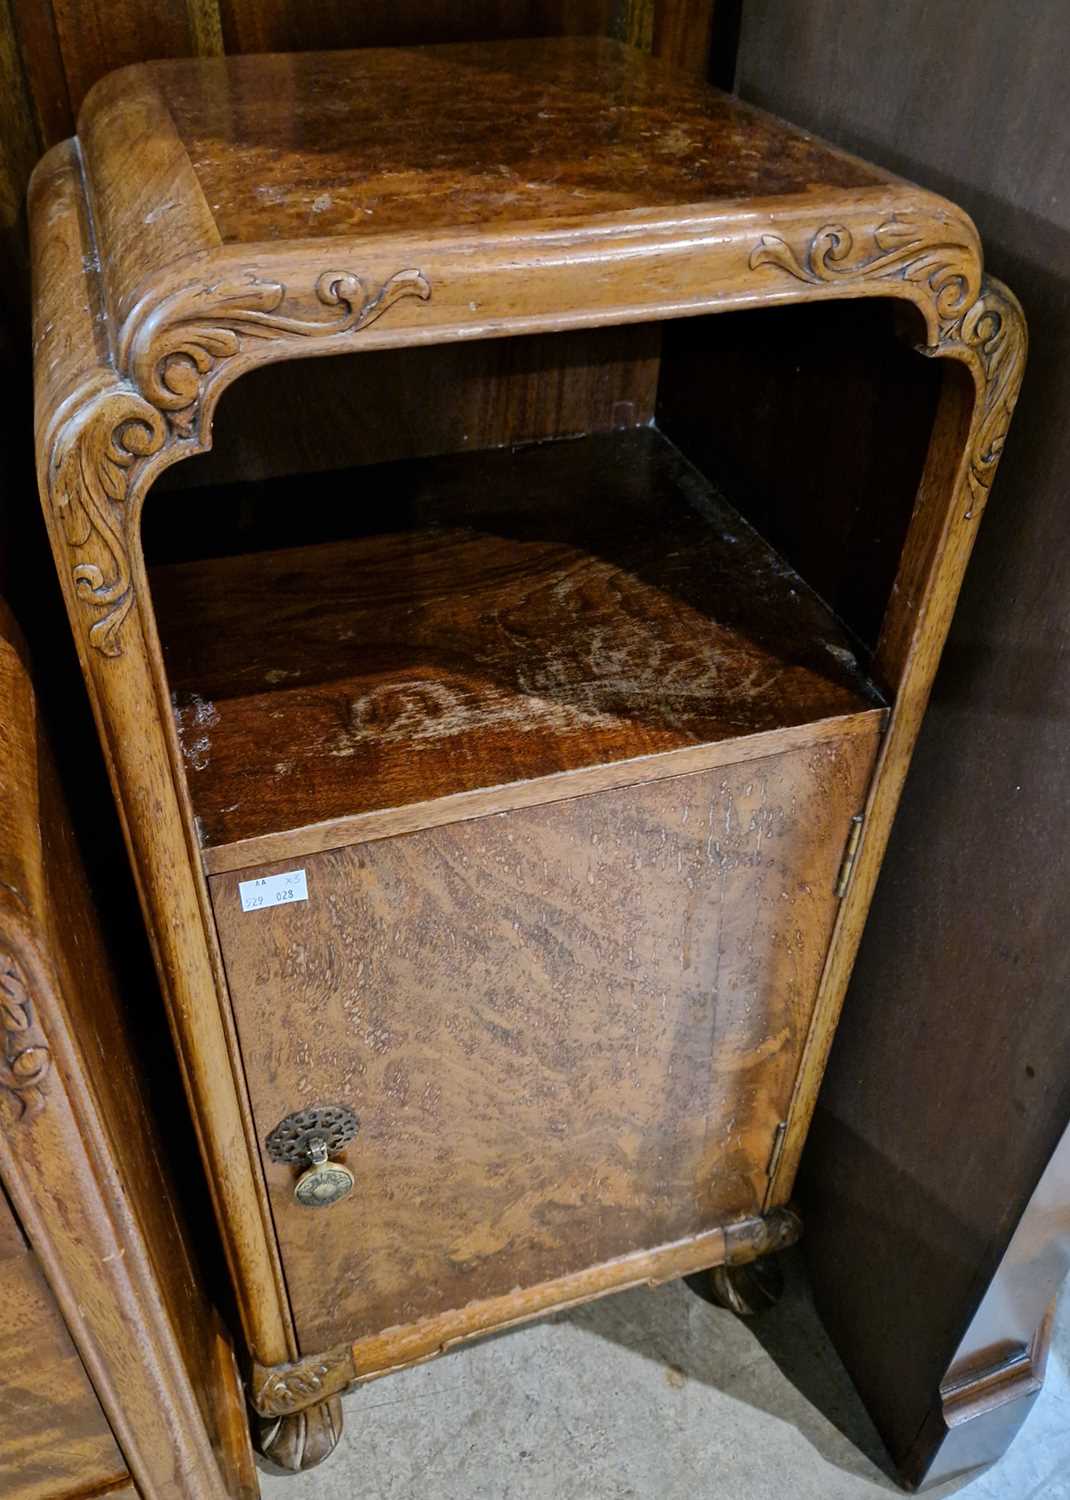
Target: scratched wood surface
[(54, 1437), (303, 145), (503, 617), (569, 1032), (188, 315)]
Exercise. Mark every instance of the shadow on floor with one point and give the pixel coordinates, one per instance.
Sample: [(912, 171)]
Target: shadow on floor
[(705, 1343)]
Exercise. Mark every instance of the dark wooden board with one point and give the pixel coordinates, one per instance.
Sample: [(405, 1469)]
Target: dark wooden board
[(282, 26), (370, 408), (303, 145), (825, 454), (493, 619), (569, 1032), (949, 1084)]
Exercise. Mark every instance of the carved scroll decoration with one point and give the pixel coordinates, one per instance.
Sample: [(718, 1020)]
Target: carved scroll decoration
[(176, 347), (166, 358), (26, 1059), (901, 249), (90, 478), (993, 330), (282, 1389), (978, 318)]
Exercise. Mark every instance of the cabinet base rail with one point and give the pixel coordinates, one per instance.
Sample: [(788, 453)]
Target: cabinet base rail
[(283, 1390)]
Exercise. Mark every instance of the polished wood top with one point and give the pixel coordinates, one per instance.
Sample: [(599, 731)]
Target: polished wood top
[(484, 620), (472, 190), (299, 146)]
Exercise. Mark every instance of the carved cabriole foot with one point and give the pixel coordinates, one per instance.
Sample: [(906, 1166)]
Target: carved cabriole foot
[(301, 1440)]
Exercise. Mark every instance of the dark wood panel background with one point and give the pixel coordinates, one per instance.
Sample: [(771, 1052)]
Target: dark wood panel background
[(950, 1080)]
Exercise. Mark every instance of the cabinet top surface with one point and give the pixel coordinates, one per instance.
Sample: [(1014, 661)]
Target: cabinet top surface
[(305, 146)]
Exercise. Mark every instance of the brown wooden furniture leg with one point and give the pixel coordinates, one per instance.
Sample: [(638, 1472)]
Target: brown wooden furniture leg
[(747, 1283)]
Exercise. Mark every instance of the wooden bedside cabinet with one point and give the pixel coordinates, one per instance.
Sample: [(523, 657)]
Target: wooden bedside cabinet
[(505, 808)]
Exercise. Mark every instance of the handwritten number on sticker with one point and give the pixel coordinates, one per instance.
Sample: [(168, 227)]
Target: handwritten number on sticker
[(273, 890)]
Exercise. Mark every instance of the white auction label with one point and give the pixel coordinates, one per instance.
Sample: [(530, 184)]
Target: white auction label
[(273, 890)]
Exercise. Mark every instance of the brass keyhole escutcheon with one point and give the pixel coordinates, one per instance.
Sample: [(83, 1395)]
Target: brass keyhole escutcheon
[(312, 1135)]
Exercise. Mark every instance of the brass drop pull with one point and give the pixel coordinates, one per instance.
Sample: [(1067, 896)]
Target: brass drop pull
[(313, 1135)]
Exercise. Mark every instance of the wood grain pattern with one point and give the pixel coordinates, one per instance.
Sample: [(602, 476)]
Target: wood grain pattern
[(290, 844), (503, 618), (54, 1437), (314, 145), (81, 1160), (569, 1032), (124, 395), (683, 34), (79, 41)]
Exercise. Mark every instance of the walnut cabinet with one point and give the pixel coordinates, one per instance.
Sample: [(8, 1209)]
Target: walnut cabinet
[(505, 808)]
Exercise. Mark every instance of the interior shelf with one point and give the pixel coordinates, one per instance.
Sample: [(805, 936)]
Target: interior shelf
[(479, 621)]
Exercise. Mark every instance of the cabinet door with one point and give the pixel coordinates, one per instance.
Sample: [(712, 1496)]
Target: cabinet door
[(569, 1031)]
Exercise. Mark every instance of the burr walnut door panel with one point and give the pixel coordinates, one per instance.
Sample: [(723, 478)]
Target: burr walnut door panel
[(568, 1031)]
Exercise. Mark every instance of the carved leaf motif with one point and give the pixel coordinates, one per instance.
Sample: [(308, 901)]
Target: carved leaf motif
[(901, 248), (166, 358), (26, 1058), (287, 1388), (978, 318), (172, 354), (90, 475), (994, 331)]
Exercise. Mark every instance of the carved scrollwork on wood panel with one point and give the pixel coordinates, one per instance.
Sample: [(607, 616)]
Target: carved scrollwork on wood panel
[(90, 476), (977, 317), (171, 353), (26, 1059), (993, 332), (901, 249), (165, 360)]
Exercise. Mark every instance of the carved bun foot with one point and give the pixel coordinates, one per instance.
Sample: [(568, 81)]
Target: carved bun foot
[(301, 1440), (746, 1290), (750, 1279)]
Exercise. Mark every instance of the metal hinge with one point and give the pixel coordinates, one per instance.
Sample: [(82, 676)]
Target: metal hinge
[(854, 838), (779, 1137)]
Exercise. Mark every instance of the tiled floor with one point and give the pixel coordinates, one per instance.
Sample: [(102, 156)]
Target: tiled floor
[(651, 1395)]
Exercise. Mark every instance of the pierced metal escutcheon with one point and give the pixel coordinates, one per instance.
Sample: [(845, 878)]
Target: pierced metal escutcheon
[(312, 1135)]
